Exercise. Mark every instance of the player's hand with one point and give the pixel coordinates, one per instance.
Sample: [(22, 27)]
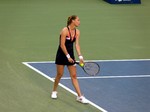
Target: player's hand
[(81, 61), (70, 60)]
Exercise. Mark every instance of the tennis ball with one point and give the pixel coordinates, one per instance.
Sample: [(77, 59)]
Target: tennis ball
[(82, 64)]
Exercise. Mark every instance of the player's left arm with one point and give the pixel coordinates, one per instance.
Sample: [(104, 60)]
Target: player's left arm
[(77, 45)]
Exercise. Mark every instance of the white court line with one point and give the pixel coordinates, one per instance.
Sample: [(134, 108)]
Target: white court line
[(97, 60), (108, 77), (71, 91)]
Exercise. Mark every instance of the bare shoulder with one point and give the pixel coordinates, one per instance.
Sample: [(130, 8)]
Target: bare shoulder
[(64, 30)]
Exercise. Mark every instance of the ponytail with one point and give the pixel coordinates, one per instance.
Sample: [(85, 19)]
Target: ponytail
[(70, 18)]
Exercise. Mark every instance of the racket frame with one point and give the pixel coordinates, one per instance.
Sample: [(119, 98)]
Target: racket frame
[(85, 70)]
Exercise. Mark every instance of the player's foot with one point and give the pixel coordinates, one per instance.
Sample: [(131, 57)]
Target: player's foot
[(54, 95), (82, 99)]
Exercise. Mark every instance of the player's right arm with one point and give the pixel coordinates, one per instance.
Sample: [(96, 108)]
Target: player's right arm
[(63, 40), (63, 34)]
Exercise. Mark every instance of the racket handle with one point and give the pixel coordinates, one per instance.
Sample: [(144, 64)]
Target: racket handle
[(77, 63)]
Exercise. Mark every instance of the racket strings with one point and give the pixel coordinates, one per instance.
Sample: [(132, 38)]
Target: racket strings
[(91, 68)]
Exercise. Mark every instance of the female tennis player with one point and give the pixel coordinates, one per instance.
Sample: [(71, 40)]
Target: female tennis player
[(65, 56)]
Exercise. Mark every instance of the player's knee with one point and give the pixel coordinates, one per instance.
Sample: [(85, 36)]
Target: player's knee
[(59, 75), (74, 76)]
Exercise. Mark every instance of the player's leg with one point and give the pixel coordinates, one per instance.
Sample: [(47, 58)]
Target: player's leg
[(73, 75), (60, 71)]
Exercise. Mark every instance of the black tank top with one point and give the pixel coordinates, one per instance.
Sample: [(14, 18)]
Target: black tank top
[(60, 56)]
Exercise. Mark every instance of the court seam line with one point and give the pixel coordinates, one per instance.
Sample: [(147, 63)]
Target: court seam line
[(108, 77), (66, 88)]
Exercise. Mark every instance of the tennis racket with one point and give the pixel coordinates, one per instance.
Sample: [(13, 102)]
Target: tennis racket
[(91, 68)]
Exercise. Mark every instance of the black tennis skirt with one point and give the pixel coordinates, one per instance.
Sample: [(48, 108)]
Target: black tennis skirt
[(61, 58)]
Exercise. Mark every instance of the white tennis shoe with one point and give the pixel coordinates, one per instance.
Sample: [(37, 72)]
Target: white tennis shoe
[(82, 99), (54, 95)]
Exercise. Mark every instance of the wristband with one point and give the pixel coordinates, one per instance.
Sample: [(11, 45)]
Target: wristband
[(81, 57), (68, 56)]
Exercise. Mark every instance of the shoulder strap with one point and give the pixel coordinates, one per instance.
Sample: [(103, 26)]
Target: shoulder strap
[(69, 32)]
